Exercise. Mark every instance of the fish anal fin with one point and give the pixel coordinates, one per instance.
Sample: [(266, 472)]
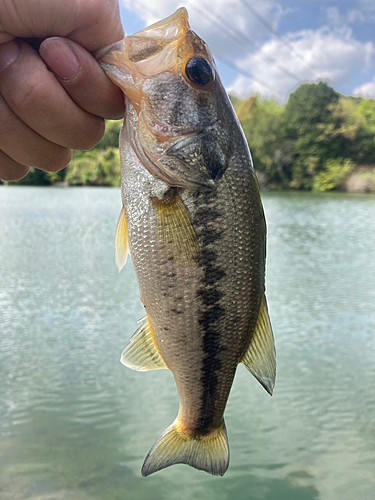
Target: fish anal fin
[(121, 240), (260, 357), (175, 232), (208, 452), (141, 353)]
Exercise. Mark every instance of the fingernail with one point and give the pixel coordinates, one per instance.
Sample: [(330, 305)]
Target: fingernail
[(60, 58), (8, 53)]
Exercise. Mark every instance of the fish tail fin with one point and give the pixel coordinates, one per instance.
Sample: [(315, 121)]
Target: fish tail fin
[(208, 452)]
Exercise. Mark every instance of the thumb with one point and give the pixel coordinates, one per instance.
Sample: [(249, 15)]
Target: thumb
[(82, 77)]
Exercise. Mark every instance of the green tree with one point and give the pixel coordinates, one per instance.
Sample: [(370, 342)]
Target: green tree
[(35, 177), (99, 166), (334, 175), (111, 136), (352, 131), (366, 109), (307, 109), (261, 120), (95, 168)]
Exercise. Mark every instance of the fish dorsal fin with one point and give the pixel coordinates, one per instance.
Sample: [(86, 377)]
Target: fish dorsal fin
[(175, 232), (260, 357), (141, 353), (121, 241)]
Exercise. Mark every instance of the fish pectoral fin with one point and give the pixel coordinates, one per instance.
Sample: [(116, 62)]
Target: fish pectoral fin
[(208, 452), (260, 357), (141, 353), (175, 232), (121, 240)]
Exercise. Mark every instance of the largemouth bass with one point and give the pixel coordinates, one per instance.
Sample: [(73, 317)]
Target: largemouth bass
[(193, 223)]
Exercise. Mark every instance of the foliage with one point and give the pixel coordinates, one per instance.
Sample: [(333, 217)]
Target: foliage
[(99, 166), (111, 136), (319, 140), (352, 129), (304, 145), (308, 108), (95, 168), (261, 121), (333, 175), (236, 101), (35, 177)]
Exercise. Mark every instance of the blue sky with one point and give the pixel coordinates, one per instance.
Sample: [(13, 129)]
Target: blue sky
[(271, 46)]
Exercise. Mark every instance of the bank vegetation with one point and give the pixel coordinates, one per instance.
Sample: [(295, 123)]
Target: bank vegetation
[(319, 140)]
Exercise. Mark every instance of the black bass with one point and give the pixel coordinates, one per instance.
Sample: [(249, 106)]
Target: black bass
[(193, 223)]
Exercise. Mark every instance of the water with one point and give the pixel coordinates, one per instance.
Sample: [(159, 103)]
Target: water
[(76, 424)]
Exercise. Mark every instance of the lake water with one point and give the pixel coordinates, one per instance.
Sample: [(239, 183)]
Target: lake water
[(76, 424)]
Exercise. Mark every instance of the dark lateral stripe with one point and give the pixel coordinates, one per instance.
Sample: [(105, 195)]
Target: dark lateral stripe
[(206, 223)]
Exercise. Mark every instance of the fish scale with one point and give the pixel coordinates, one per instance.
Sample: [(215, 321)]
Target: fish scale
[(193, 223)]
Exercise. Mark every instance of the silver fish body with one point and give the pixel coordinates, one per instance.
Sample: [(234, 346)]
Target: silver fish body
[(197, 236)]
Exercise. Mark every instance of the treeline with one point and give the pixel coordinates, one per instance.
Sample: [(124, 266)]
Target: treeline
[(98, 167), (320, 140)]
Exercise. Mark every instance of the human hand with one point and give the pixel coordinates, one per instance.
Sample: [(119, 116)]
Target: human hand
[(55, 100)]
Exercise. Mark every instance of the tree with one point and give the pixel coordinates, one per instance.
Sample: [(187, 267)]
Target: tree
[(261, 120), (95, 168), (307, 109), (352, 131)]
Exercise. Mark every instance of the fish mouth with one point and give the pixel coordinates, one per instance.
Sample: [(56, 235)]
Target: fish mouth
[(161, 48), (145, 54), (179, 152)]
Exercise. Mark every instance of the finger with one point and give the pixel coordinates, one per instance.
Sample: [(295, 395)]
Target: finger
[(37, 98), (25, 146), (99, 25), (10, 170), (82, 78), (91, 23)]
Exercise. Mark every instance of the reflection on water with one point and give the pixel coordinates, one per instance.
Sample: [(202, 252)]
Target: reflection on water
[(76, 424)]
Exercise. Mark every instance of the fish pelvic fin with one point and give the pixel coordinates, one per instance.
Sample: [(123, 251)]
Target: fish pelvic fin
[(260, 357), (121, 241), (179, 445), (141, 354)]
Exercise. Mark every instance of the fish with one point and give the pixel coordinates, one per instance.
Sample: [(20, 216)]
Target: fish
[(193, 223)]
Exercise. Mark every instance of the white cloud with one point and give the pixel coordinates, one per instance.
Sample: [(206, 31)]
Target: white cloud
[(366, 90), (356, 15), (328, 55), (365, 12), (336, 18)]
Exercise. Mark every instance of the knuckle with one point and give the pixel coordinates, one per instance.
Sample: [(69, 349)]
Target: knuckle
[(25, 98)]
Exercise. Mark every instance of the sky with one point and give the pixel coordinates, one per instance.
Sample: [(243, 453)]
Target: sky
[(270, 47)]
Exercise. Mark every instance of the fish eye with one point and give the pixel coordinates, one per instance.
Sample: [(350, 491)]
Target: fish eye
[(199, 71)]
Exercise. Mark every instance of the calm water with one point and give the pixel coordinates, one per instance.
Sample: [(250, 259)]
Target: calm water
[(76, 424)]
